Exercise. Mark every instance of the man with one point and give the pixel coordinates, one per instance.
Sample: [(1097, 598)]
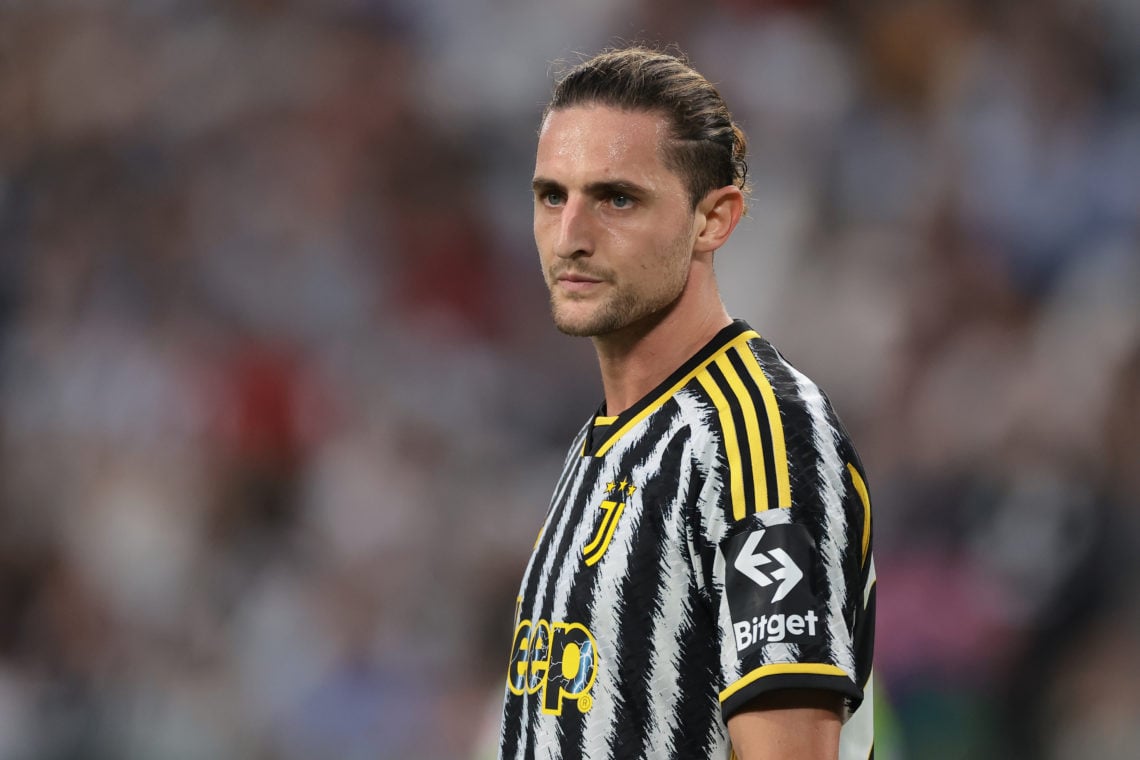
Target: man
[(703, 583)]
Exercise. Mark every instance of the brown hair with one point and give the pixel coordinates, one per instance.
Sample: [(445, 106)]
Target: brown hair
[(707, 148)]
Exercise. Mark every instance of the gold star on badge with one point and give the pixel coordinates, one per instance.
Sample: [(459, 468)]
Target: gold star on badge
[(610, 486)]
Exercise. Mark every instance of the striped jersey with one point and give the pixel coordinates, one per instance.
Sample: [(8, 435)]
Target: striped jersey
[(709, 544)]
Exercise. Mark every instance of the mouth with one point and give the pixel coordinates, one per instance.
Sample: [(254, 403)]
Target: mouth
[(577, 282), (577, 277)]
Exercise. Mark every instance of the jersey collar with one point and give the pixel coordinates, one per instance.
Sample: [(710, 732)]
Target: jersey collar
[(735, 333)]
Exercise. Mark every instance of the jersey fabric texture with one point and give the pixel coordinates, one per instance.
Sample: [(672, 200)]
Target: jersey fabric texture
[(707, 545)]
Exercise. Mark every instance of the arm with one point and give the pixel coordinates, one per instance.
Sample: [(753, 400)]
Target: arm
[(797, 724)]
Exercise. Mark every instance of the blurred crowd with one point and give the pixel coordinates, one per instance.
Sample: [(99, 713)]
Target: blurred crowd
[(281, 406)]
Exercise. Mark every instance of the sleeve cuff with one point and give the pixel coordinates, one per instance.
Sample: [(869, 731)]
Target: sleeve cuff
[(787, 676)]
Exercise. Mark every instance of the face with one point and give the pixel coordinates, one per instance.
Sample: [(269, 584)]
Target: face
[(613, 225)]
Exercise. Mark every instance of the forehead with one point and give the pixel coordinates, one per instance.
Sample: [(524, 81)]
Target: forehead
[(601, 142)]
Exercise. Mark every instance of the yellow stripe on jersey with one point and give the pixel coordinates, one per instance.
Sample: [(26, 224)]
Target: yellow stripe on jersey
[(776, 423), (731, 447), (861, 489), (739, 340), (755, 442), (783, 668)]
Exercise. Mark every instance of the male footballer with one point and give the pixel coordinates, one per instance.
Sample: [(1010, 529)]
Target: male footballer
[(703, 585)]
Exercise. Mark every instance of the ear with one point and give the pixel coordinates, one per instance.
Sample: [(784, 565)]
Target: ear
[(716, 217)]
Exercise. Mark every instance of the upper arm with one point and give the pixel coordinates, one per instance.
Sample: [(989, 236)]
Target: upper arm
[(799, 724)]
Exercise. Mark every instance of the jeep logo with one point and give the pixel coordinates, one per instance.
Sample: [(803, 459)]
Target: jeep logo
[(560, 659)]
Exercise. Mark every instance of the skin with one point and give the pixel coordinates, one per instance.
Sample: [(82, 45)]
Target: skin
[(629, 263), (627, 259), (788, 725)]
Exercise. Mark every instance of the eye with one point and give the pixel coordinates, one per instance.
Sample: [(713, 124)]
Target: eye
[(621, 201), (551, 198)]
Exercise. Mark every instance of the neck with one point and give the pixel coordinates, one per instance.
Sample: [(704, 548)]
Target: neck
[(637, 359)]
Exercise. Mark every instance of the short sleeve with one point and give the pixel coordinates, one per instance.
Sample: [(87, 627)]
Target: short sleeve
[(783, 532)]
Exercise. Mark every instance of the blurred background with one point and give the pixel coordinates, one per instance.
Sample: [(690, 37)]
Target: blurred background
[(281, 406)]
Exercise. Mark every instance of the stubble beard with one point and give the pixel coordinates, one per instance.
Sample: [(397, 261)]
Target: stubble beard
[(624, 306), (617, 312)]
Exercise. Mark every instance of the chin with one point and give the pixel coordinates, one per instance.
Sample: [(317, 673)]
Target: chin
[(573, 319), (591, 325), (604, 319), (576, 327)]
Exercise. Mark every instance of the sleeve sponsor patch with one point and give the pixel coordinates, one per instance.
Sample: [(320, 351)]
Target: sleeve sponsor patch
[(768, 587)]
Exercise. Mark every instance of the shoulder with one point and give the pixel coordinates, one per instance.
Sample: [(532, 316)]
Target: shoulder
[(770, 429), (808, 418)]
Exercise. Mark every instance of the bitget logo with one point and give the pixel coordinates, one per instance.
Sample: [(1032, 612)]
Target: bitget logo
[(768, 597)]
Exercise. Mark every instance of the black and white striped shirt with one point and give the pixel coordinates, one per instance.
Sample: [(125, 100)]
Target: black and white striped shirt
[(710, 543)]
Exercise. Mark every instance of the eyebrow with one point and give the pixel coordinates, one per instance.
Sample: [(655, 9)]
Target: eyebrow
[(597, 189)]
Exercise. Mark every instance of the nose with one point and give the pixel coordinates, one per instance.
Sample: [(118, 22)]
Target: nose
[(575, 229)]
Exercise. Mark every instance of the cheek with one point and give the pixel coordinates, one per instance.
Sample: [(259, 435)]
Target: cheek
[(672, 250), (637, 243)]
